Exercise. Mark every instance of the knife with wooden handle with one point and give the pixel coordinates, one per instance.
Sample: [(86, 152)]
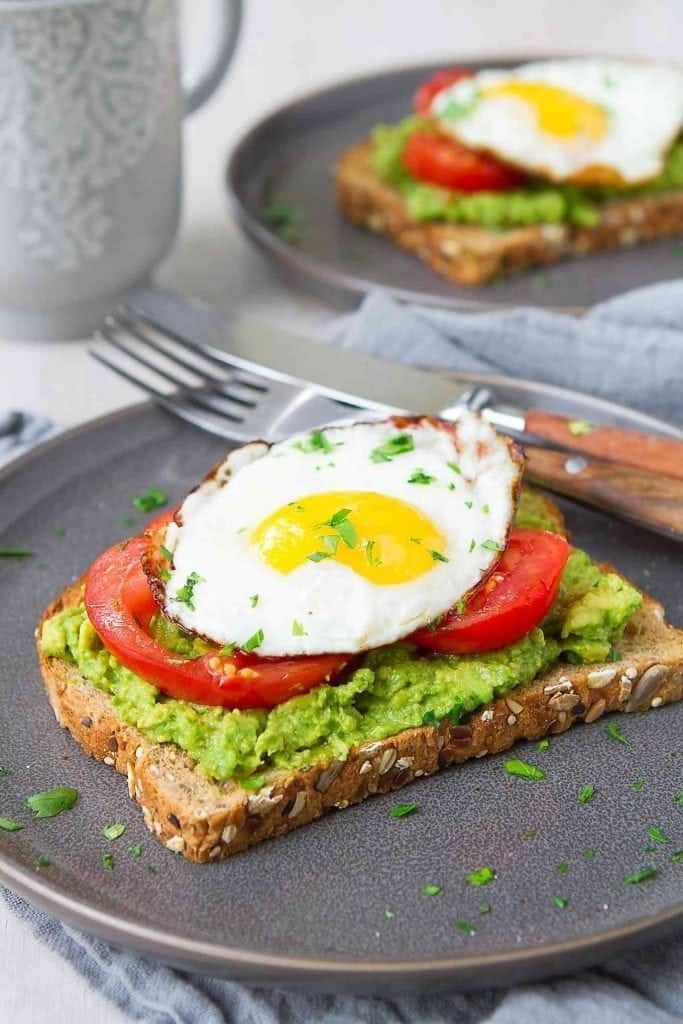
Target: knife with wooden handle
[(642, 451), (649, 499)]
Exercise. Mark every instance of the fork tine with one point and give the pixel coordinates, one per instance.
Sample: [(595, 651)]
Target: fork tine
[(191, 415), (251, 380)]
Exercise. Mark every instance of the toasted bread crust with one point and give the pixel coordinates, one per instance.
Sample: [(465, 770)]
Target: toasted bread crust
[(472, 255), (208, 820)]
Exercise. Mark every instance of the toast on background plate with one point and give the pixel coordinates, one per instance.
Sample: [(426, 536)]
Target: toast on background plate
[(333, 616), (500, 171)]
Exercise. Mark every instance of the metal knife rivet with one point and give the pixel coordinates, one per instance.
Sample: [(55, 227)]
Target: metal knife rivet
[(575, 464)]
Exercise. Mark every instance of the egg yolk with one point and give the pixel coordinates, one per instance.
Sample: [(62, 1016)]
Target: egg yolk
[(559, 111), (384, 539)]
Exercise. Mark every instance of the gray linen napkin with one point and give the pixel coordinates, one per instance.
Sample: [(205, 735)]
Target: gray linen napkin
[(629, 349)]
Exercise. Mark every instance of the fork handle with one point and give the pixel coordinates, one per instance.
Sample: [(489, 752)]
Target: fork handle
[(644, 451), (652, 500)]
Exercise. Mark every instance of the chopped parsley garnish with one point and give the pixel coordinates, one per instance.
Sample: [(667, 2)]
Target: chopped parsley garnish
[(389, 914), (420, 477), (677, 857), (482, 876), (52, 801), (563, 867), (525, 771), (614, 732), (151, 870), (586, 793), (429, 718), (640, 876), (285, 220), (151, 499), (401, 810), (431, 890), (135, 851), (15, 553), (469, 504), (438, 557), (543, 745), (315, 442), (472, 546), (227, 651), (298, 629), (656, 833), (318, 556), (253, 782), (529, 833), (638, 784), (493, 545), (165, 553), (59, 531), (466, 927), (589, 854), (164, 573), (486, 509), (112, 832), (10, 826), (678, 799), (185, 595), (43, 862), (577, 428), (4, 771), (108, 861), (254, 641), (399, 444), (485, 908), (253, 600), (128, 521), (455, 467), (373, 559), (560, 902)]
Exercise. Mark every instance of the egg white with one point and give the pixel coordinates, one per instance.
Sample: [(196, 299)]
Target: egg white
[(339, 610), (643, 104)]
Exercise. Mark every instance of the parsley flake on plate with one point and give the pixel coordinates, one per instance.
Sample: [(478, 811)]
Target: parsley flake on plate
[(298, 629), (53, 801), (656, 833), (401, 810), (108, 861), (543, 745), (485, 908), (482, 876), (640, 876), (399, 444), (638, 785), (577, 428), (112, 832), (10, 826), (15, 553), (431, 890), (466, 927), (455, 467), (586, 793), (152, 498), (589, 854), (678, 799), (524, 770), (560, 902), (315, 442), (563, 867), (43, 862), (677, 857), (614, 732), (284, 219), (135, 851)]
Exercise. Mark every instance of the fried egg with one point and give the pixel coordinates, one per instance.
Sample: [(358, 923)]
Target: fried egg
[(586, 121), (342, 540)]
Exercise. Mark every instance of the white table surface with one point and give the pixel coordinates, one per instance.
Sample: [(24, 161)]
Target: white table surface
[(286, 49)]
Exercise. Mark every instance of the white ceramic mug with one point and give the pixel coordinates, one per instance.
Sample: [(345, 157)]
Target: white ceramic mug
[(91, 106)]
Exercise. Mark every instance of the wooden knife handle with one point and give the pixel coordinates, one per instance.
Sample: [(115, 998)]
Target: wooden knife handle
[(644, 451), (638, 495)]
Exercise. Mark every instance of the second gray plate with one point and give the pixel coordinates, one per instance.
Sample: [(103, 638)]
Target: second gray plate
[(290, 156), (338, 904)]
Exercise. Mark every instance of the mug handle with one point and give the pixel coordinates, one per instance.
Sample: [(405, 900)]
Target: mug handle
[(228, 14)]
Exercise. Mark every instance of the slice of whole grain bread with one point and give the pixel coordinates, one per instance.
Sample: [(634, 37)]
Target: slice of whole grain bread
[(472, 255), (208, 820)]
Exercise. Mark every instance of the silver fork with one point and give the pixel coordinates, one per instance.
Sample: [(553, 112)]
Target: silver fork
[(213, 390)]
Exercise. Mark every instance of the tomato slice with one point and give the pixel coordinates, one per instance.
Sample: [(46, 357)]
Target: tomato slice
[(514, 598), (422, 99), (119, 605), (446, 162)]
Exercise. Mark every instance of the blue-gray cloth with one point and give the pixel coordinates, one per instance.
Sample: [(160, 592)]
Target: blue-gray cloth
[(629, 349)]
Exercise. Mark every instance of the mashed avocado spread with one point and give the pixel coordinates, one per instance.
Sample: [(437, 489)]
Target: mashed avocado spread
[(390, 689), (539, 202)]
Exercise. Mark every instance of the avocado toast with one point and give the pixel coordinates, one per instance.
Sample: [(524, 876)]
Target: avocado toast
[(501, 170), (214, 781)]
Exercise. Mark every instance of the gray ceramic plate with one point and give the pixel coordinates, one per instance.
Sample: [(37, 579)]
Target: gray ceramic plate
[(290, 155), (311, 908)]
